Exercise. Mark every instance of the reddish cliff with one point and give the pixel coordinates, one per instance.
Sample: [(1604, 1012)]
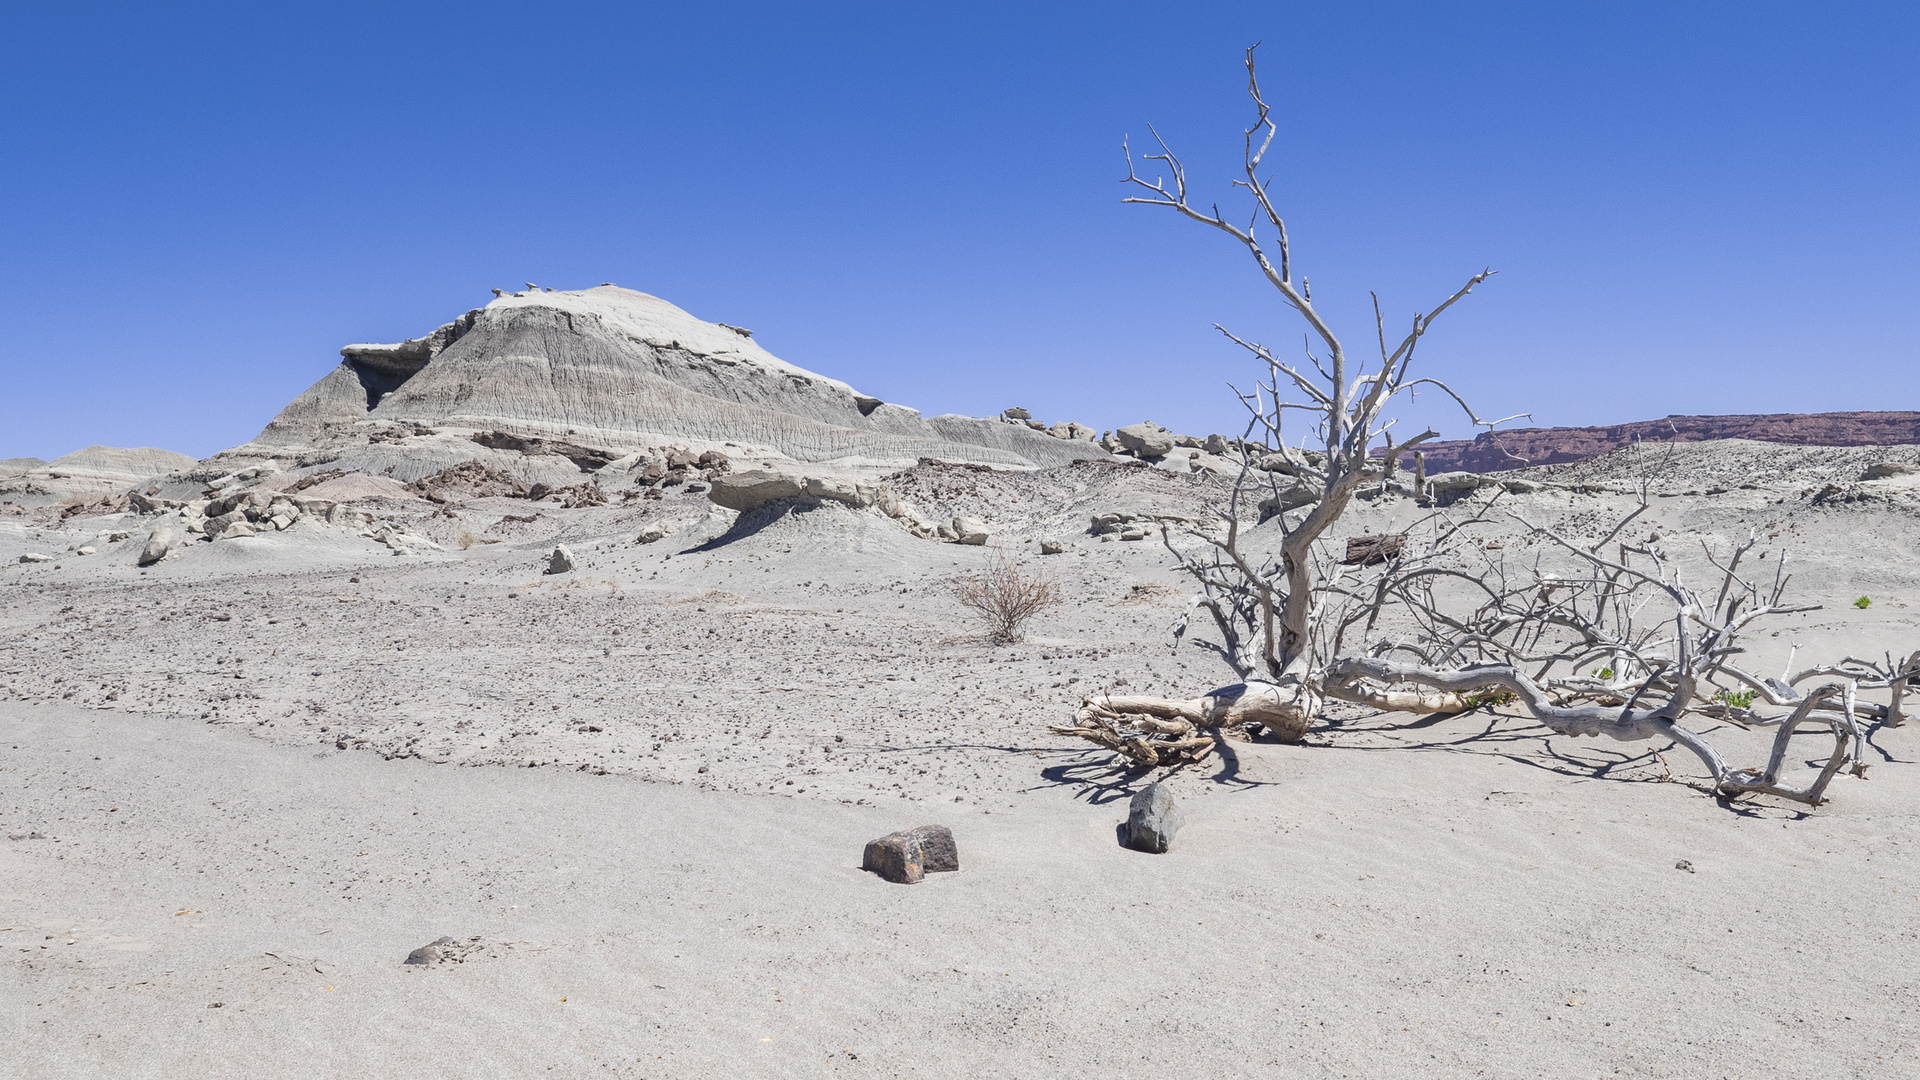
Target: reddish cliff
[(1521, 447)]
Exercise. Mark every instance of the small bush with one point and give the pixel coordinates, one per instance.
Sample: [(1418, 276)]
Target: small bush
[(1005, 597), (466, 539), (1738, 699), (1863, 603)]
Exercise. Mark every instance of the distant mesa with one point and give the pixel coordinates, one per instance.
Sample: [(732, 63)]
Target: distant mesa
[(1521, 447)]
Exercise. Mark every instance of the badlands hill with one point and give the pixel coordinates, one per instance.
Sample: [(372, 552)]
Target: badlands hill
[(620, 369)]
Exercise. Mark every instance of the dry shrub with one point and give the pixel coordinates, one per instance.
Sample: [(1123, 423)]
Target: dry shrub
[(1005, 597)]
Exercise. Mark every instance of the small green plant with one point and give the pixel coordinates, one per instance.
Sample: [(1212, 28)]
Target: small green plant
[(1603, 673), (1863, 603), (1491, 697), (1738, 699)]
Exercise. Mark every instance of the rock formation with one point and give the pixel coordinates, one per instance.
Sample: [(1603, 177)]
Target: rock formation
[(614, 368), (1522, 447)]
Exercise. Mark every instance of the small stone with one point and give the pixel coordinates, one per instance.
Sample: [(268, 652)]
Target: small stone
[(1051, 547), (561, 561), (35, 556), (1684, 865), (971, 531), (429, 953), (1152, 819), (85, 551)]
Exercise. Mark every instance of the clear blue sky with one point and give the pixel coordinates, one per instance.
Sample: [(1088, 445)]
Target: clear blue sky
[(1695, 208)]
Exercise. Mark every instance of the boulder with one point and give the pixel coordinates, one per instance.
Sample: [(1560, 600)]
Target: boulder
[(843, 491), (1298, 494), (561, 561), (1216, 444), (35, 556), (749, 490), (905, 857), (1052, 547), (970, 531), (1152, 819), (652, 534), (1887, 470), (235, 530), (1146, 439), (1017, 413), (1445, 487), (159, 542)]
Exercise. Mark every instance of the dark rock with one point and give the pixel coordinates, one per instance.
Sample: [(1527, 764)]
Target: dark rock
[(905, 857), (1152, 819), (934, 847), (584, 458), (892, 858)]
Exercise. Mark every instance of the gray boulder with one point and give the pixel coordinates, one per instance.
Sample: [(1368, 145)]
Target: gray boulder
[(159, 542), (750, 490), (1146, 439), (970, 531), (1298, 494), (36, 556), (1052, 547), (1887, 470), (1152, 819), (1216, 444), (561, 561)]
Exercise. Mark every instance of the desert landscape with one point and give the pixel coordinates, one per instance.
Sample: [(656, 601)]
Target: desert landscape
[(577, 688), (476, 720)]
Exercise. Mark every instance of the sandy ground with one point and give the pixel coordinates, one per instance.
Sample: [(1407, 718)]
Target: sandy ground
[(231, 778), (1434, 904)]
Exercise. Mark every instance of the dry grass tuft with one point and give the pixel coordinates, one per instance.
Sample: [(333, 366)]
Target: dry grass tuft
[(1005, 597)]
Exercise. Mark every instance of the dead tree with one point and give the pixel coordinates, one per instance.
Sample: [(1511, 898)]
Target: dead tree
[(1265, 612), (1414, 628)]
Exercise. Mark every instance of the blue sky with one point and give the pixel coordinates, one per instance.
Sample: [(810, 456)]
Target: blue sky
[(1694, 208)]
